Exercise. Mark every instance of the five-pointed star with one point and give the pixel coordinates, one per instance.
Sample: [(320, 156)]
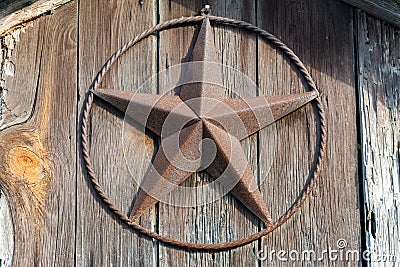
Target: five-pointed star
[(201, 111)]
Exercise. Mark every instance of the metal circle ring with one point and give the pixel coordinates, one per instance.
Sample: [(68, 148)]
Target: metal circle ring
[(182, 22)]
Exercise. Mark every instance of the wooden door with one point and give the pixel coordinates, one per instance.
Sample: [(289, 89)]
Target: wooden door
[(56, 215)]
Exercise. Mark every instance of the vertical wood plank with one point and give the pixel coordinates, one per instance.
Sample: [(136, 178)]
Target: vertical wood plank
[(17, 98), (180, 222), (379, 100), (104, 27), (320, 33), (21, 53), (239, 51), (226, 219), (56, 243), (40, 154)]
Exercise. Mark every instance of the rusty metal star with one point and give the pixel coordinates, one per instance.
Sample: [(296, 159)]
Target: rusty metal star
[(201, 111)]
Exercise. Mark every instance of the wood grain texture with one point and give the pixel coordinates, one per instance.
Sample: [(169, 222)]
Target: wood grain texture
[(56, 242), (6, 232), (320, 33), (117, 149), (387, 10), (16, 106), (379, 91), (41, 152), (14, 186)]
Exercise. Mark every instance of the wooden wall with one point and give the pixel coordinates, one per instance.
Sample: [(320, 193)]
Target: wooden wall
[(379, 101), (48, 66)]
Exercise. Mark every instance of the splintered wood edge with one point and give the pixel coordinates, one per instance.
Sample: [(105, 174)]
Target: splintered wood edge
[(379, 128), (21, 17)]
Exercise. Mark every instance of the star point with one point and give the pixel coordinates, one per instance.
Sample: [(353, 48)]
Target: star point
[(150, 111), (205, 67)]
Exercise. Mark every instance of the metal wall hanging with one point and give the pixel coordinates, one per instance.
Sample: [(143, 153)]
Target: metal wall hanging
[(195, 117)]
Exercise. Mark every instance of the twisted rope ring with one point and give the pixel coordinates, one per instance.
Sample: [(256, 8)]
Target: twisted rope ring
[(181, 22)]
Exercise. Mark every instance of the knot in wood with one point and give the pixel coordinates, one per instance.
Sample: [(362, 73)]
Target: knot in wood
[(25, 163)]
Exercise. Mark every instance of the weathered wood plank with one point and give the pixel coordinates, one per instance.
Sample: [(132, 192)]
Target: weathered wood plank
[(104, 27), (387, 10), (379, 100), (239, 51), (226, 219), (21, 16), (16, 106), (24, 238), (56, 242), (320, 33), (43, 149), (180, 222)]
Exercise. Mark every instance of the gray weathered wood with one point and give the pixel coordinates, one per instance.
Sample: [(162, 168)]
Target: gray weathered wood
[(379, 91), (104, 27), (320, 33), (6, 232), (17, 105), (387, 10)]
